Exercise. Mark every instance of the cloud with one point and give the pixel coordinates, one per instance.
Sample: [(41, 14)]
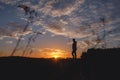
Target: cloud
[(67, 9), (74, 19), (88, 33), (13, 29), (9, 42), (69, 31), (58, 8), (50, 53), (83, 22), (10, 1), (56, 28)]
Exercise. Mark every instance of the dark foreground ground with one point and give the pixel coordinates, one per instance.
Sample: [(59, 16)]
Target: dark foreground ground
[(94, 65)]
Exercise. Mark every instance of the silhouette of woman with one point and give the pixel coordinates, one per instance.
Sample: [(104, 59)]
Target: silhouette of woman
[(74, 48)]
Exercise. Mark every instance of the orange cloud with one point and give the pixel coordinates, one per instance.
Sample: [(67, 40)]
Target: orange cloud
[(51, 53)]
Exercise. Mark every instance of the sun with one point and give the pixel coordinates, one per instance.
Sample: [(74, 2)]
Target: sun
[(56, 56), (55, 53)]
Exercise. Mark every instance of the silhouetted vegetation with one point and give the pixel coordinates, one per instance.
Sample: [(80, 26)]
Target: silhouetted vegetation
[(31, 14)]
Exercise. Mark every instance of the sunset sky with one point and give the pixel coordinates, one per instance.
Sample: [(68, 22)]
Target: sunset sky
[(59, 21)]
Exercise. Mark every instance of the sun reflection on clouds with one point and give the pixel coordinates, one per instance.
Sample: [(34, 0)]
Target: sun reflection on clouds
[(51, 53), (56, 54)]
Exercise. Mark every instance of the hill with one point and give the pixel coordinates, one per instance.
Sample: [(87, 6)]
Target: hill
[(42, 69), (96, 64)]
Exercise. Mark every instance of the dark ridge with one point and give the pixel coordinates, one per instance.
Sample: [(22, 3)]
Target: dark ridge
[(96, 64)]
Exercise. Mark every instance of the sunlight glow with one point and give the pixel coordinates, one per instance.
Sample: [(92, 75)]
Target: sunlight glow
[(56, 54), (51, 53)]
